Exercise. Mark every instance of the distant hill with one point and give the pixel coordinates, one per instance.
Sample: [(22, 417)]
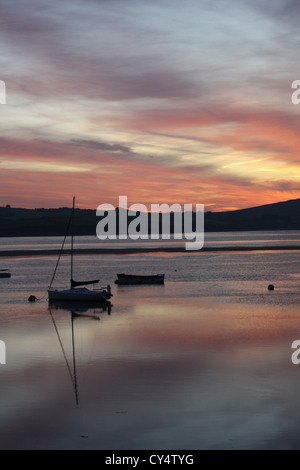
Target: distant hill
[(278, 216), (16, 222), (44, 222)]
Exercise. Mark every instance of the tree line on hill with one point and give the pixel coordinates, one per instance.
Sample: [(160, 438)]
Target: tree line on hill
[(18, 222)]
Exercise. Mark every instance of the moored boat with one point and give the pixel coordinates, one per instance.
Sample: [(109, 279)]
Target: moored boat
[(81, 294), (76, 292), (4, 273), (140, 279)]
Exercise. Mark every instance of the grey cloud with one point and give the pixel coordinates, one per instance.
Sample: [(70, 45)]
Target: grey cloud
[(97, 54), (96, 145)]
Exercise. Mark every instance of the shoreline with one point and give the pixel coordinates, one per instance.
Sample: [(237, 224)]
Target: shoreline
[(130, 251)]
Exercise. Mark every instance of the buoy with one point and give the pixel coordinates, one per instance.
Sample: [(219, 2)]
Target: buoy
[(32, 298), (270, 287)]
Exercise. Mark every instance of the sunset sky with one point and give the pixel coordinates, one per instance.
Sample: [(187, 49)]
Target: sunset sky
[(164, 101)]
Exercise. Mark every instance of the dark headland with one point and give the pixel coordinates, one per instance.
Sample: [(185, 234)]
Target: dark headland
[(16, 222)]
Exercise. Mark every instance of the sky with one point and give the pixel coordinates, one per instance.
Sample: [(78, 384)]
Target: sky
[(163, 101)]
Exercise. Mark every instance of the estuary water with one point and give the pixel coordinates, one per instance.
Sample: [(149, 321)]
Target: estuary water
[(202, 362)]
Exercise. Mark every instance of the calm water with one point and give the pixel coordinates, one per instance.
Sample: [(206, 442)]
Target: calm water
[(203, 362), (212, 239)]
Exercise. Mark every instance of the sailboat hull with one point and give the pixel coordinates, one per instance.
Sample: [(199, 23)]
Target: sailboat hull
[(78, 294), (5, 274)]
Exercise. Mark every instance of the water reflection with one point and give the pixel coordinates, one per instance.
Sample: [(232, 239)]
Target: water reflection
[(77, 311), (202, 362), (87, 309)]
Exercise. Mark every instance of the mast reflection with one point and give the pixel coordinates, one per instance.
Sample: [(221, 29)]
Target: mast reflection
[(77, 310)]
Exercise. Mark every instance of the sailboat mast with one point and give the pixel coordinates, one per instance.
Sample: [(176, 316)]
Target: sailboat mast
[(74, 361), (72, 238)]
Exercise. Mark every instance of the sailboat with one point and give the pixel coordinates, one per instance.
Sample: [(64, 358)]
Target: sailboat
[(76, 292)]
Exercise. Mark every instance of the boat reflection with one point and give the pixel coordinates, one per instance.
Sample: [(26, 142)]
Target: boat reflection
[(77, 310), (87, 309)]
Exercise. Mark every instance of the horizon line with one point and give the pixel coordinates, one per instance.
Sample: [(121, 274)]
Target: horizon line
[(8, 206)]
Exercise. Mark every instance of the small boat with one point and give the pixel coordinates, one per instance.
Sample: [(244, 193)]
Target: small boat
[(140, 279), (80, 295), (77, 293), (4, 273)]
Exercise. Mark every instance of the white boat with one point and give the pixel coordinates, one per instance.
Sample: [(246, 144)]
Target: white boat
[(76, 292)]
